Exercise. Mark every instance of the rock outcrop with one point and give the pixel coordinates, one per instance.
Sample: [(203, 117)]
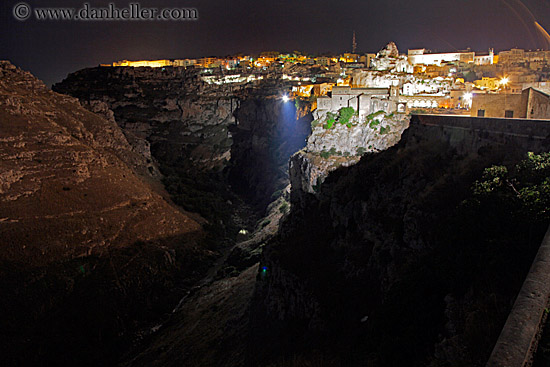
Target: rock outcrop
[(329, 148), (89, 250), (391, 263), (181, 117), (389, 51), (357, 139), (242, 129)]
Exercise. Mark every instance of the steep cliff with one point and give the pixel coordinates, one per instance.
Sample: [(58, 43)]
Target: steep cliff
[(90, 252), (400, 259), (194, 127), (336, 143)]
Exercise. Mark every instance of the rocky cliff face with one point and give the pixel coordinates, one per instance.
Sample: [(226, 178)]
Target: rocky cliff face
[(90, 252), (385, 265), (182, 118), (340, 145), (242, 129)]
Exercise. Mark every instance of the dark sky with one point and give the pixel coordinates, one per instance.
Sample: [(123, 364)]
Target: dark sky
[(52, 49)]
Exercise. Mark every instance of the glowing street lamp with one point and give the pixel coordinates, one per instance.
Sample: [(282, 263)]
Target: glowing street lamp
[(504, 81), (286, 98), (467, 97)]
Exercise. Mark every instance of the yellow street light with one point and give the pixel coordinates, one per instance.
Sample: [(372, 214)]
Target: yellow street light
[(504, 81)]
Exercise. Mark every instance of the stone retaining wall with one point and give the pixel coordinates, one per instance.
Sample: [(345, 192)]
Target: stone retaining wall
[(518, 340), (470, 133)]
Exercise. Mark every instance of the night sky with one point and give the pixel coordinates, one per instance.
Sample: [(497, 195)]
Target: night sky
[(52, 49)]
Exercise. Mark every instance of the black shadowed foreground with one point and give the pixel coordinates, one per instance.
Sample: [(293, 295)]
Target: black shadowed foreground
[(413, 257)]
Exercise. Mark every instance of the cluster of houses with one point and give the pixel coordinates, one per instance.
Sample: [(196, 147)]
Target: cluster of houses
[(462, 82)]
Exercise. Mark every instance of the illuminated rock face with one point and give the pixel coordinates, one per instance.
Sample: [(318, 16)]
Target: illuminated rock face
[(388, 59), (89, 249), (329, 149), (389, 51), (356, 139), (374, 79), (172, 113), (191, 121), (338, 141)]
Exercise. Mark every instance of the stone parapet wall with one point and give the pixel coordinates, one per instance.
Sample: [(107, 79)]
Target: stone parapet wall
[(470, 133), (519, 337)]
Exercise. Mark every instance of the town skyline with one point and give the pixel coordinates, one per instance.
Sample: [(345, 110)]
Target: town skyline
[(52, 49)]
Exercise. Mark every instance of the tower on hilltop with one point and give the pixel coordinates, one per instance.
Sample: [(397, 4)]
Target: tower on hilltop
[(353, 44)]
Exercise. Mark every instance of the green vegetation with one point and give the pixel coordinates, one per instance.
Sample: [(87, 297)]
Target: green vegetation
[(525, 188), (345, 114), (374, 123), (361, 150), (284, 207), (330, 119), (332, 152), (276, 194), (371, 116), (384, 130), (479, 239), (343, 117)]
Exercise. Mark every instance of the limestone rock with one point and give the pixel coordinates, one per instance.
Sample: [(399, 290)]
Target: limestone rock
[(77, 222)]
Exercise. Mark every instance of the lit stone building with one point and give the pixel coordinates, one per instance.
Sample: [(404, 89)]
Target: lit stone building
[(208, 62), (541, 86), (512, 57), (184, 63), (367, 59), (322, 60), (302, 90), (142, 63), (419, 56), (322, 89), (363, 100), (485, 59), (349, 57), (488, 83), (531, 104), (420, 101), (537, 104)]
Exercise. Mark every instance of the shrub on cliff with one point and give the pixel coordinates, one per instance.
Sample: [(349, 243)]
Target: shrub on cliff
[(374, 123), (345, 114), (371, 117), (331, 118), (526, 186), (325, 154)]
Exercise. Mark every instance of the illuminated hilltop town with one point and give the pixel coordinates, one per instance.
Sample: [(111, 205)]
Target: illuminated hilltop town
[(511, 84)]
